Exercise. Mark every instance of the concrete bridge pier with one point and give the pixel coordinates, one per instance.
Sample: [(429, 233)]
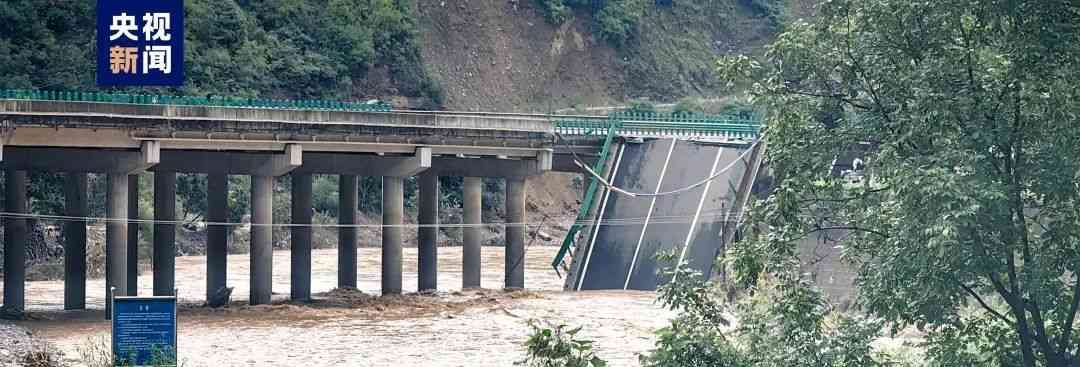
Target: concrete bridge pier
[(262, 251), (347, 199), (515, 233), (217, 235), (428, 250), (15, 243), (164, 254), (472, 198), (133, 235), (116, 246), (300, 263), (75, 205), (392, 209)]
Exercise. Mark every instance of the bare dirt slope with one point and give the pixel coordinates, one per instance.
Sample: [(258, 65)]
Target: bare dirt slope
[(502, 55)]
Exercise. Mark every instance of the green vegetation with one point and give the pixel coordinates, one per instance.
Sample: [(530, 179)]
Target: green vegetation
[(97, 352), (668, 52), (774, 325), (965, 113), (299, 49), (615, 21), (558, 346), (674, 51), (773, 10)]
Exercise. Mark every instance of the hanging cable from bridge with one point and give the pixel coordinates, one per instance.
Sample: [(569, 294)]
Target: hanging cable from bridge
[(600, 179)]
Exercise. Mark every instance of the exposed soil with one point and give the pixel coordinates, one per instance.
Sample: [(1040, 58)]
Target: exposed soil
[(501, 55)]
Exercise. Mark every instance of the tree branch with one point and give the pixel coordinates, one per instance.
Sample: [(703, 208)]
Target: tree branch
[(861, 195), (984, 305), (846, 228)]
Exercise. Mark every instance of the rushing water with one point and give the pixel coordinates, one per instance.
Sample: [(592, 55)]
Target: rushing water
[(456, 328)]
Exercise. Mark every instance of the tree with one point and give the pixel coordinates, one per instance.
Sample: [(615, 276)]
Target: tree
[(966, 114), (783, 322)]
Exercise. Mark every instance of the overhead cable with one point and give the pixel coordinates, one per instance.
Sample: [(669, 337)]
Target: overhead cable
[(579, 162)]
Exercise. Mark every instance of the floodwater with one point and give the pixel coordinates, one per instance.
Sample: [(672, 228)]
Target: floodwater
[(453, 328)]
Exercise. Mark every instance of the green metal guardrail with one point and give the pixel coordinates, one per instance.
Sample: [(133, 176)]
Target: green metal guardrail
[(629, 123), (586, 204), (154, 99)]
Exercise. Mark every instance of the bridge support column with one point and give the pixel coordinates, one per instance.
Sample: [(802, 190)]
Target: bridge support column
[(470, 251), (300, 276), (428, 251), (217, 236), (15, 244), (116, 246), (515, 234), (347, 197), (262, 251), (164, 233), (392, 208), (75, 205), (133, 235)]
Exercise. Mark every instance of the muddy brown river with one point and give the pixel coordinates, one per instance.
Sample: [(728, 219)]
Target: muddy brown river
[(454, 328)]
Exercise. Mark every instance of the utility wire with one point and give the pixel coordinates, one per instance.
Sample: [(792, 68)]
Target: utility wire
[(669, 219), (580, 163)]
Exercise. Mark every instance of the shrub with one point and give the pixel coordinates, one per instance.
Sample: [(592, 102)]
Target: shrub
[(324, 194), (784, 322), (558, 346), (617, 22), (641, 107), (687, 106), (773, 10), (555, 11)]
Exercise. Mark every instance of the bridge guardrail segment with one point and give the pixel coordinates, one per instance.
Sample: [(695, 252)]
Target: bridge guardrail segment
[(586, 204), (661, 125), (213, 101)]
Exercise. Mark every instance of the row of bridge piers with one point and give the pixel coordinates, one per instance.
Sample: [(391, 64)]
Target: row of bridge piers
[(121, 239)]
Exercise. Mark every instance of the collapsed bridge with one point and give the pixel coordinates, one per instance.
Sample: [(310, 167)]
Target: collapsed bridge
[(121, 135)]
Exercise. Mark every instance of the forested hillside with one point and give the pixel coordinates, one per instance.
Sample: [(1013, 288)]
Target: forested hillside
[(266, 48)]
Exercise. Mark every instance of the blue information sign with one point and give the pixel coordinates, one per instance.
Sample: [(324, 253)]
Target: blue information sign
[(144, 331), (140, 42)]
